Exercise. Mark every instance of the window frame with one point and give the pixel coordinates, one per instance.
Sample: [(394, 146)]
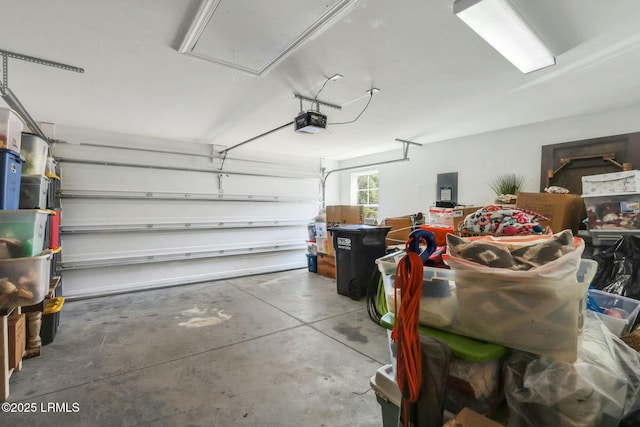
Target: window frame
[(355, 191)]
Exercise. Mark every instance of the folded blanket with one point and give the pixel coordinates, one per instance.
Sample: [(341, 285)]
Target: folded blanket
[(498, 220)]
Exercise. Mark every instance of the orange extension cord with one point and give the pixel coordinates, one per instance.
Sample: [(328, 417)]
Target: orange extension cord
[(409, 275)]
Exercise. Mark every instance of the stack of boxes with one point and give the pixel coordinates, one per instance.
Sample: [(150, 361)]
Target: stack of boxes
[(10, 171), (16, 240), (29, 233), (612, 201), (324, 258), (38, 191)]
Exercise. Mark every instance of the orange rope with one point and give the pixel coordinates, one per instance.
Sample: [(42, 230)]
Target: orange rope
[(409, 275)]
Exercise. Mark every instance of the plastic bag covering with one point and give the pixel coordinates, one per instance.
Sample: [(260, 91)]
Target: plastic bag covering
[(539, 310), (618, 268), (598, 390)]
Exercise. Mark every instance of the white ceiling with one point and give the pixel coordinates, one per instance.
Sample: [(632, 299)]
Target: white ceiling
[(438, 79)]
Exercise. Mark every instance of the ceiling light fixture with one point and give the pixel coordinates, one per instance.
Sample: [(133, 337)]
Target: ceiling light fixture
[(503, 28), (336, 77)]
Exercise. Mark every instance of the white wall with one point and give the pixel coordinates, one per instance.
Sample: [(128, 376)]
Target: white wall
[(410, 187)]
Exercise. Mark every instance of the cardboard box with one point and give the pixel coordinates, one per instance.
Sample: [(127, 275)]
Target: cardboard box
[(325, 245), (327, 266), (470, 418), (17, 339), (330, 250), (459, 214), (563, 210), (401, 227), (344, 214)]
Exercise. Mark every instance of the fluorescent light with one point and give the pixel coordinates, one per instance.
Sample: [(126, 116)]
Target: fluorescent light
[(504, 29)]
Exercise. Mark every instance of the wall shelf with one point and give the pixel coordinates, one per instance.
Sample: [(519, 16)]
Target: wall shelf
[(168, 256), (178, 226), (160, 195)]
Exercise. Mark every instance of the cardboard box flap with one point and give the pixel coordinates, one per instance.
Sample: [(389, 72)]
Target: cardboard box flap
[(470, 418)]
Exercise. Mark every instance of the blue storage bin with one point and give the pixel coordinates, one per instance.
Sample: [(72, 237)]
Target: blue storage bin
[(312, 262), (10, 171)]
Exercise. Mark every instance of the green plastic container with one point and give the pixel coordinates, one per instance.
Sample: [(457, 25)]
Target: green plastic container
[(462, 347), (22, 232)]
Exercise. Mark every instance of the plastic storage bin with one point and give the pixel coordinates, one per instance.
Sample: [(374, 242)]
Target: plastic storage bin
[(613, 212), (51, 320), (312, 247), (56, 256), (474, 374), (543, 317), (10, 130), (312, 263), (356, 249), (436, 308), (388, 395), (608, 183), (625, 307), (35, 151), (22, 232), (10, 178), (24, 281), (441, 216), (53, 199), (54, 229), (33, 192), (439, 231)]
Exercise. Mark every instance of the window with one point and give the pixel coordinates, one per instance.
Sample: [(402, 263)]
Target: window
[(364, 192)]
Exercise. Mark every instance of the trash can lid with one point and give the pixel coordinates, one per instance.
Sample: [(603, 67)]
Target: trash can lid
[(357, 228)]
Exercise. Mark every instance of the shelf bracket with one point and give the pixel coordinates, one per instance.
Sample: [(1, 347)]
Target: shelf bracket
[(12, 100)]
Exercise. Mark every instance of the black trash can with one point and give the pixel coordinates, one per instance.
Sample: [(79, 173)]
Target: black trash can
[(356, 249)]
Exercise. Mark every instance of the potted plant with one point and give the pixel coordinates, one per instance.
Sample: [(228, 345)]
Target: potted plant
[(507, 187)]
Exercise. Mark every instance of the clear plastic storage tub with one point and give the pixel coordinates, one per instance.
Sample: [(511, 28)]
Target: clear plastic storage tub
[(35, 151), (24, 281), (539, 316), (613, 212), (10, 130), (22, 232), (33, 192), (621, 311)]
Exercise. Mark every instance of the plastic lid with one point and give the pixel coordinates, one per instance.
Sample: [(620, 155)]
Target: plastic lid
[(356, 228), (54, 305), (385, 385), (462, 347)]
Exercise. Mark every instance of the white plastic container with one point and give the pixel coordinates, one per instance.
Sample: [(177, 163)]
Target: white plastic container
[(388, 395), (24, 281), (617, 325), (611, 183), (11, 127), (441, 216), (35, 151)]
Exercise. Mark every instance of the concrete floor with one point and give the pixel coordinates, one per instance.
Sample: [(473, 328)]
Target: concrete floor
[(280, 349)]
